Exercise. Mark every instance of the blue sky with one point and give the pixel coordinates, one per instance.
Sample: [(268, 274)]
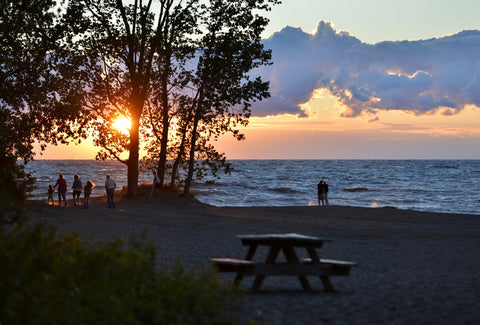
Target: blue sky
[(374, 21), (340, 91)]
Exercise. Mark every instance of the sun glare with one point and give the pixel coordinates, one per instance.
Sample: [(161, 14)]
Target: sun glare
[(122, 125)]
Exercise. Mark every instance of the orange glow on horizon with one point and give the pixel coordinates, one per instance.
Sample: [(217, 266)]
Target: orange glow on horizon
[(324, 134)]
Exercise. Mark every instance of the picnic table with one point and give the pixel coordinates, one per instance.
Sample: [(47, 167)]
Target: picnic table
[(311, 266)]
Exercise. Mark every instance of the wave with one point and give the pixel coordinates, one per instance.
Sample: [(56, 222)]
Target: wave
[(356, 189), (442, 166), (283, 190), (402, 184)]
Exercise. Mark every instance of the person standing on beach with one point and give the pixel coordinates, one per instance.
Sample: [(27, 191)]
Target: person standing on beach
[(156, 183), (76, 189), (87, 190), (321, 193), (110, 186), (62, 189), (51, 190), (325, 192)]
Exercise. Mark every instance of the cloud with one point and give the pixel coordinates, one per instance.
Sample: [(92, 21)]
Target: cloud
[(424, 76)]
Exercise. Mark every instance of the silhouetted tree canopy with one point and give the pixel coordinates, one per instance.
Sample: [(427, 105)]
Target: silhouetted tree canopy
[(180, 71), (177, 69), (37, 102)]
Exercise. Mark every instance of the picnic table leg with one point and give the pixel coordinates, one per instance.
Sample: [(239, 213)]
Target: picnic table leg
[(251, 251), (327, 284), (238, 280), (292, 258), (272, 256)]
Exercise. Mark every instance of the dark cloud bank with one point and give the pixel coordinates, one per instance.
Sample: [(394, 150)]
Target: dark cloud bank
[(419, 76)]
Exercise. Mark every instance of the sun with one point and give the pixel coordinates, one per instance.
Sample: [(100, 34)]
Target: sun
[(122, 125)]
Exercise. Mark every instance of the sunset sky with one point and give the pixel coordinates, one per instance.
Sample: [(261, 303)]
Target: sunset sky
[(367, 79)]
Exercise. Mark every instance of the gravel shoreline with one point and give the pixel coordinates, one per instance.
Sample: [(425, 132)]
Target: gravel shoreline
[(413, 267)]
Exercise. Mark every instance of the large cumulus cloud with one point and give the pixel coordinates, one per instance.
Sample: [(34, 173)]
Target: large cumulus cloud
[(419, 76)]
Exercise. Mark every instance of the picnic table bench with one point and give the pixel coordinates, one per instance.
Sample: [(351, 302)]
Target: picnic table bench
[(312, 266)]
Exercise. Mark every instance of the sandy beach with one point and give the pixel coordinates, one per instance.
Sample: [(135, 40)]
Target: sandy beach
[(413, 267)]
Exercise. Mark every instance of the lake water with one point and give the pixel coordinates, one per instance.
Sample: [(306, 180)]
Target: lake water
[(425, 185)]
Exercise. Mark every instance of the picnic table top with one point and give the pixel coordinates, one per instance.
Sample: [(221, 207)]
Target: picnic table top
[(289, 238)]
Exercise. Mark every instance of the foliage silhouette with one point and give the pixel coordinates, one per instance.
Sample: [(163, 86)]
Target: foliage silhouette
[(47, 278), (177, 69)]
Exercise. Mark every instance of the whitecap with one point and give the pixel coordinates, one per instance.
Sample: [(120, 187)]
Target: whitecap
[(356, 189)]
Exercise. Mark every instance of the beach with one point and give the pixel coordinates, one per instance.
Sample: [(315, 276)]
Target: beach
[(413, 267)]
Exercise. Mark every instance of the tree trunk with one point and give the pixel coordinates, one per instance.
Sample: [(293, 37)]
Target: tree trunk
[(132, 177), (164, 143), (191, 162), (179, 157), (181, 149), (165, 117)]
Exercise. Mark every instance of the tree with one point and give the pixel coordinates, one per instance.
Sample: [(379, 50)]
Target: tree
[(126, 51), (215, 93), (224, 90), (36, 102), (158, 63)]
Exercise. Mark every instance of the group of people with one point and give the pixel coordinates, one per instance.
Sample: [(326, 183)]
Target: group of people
[(77, 188), (322, 190)]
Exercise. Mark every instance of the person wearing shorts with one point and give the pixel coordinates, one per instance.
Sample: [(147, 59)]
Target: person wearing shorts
[(77, 189), (62, 189)]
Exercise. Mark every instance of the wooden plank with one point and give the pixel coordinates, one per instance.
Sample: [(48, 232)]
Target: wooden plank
[(272, 256), (301, 270), (234, 265), (233, 261), (292, 259), (251, 251), (281, 239), (329, 261), (337, 262), (327, 284)]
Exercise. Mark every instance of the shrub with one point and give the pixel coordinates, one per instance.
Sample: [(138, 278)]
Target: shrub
[(16, 182), (50, 279)]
